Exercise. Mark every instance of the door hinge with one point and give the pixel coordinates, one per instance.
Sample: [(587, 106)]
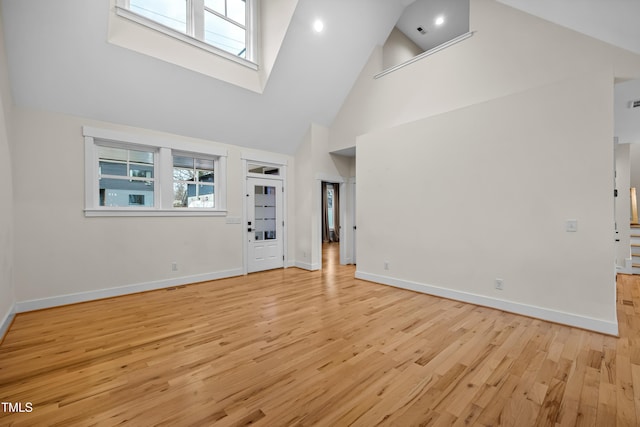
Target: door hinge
[(283, 223), (283, 257)]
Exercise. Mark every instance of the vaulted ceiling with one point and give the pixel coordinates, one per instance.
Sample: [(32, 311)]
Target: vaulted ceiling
[(60, 60)]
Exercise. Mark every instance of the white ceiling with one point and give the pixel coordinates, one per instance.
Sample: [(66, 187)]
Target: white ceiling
[(59, 60), (613, 21), (423, 13)]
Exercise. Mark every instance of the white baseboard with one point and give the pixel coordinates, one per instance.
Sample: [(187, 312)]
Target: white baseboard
[(6, 321), (307, 266), (628, 267), (597, 325), (38, 304)]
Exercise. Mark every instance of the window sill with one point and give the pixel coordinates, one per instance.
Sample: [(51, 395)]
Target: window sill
[(139, 19), (153, 212)]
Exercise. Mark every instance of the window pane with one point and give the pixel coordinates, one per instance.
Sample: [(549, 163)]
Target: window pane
[(140, 171), (205, 176), (205, 164), (330, 211), (141, 157), (224, 35), (183, 162), (236, 10), (172, 13), (112, 168), (111, 153), (180, 174), (124, 192), (217, 5), (179, 195)]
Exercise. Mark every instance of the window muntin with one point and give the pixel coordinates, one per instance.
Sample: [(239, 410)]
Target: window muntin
[(193, 182), (223, 24), (125, 177), (131, 174)]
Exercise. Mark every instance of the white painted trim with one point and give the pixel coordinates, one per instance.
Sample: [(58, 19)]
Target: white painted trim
[(344, 197), (156, 141), (6, 321), (274, 160), (152, 212), (186, 38), (334, 179), (425, 54), (38, 304), (265, 159), (597, 325), (307, 266)]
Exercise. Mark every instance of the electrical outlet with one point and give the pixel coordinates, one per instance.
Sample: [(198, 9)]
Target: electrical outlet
[(499, 284), (386, 265), (174, 266)]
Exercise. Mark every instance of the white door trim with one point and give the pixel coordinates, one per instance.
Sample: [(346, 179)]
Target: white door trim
[(333, 179), (283, 179)]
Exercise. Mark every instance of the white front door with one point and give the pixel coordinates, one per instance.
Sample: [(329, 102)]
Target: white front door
[(264, 224)]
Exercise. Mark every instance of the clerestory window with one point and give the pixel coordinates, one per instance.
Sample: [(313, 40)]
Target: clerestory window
[(226, 25)]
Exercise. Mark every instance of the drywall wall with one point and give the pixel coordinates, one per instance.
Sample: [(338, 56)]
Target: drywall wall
[(315, 164), (622, 206), (484, 192), (7, 294), (509, 52), (398, 49), (61, 255), (306, 255)]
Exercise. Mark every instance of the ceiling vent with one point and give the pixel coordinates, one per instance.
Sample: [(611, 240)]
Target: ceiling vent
[(634, 104)]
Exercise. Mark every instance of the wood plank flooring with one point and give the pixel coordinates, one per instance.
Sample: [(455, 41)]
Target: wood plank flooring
[(296, 348)]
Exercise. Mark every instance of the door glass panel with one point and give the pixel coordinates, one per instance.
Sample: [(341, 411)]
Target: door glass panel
[(265, 212)]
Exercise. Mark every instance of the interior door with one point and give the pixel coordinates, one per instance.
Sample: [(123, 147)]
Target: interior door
[(264, 224)]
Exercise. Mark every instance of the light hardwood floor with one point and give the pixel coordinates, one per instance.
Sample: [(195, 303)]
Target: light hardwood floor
[(290, 347)]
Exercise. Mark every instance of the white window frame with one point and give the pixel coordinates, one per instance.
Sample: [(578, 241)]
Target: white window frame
[(195, 29), (163, 149)]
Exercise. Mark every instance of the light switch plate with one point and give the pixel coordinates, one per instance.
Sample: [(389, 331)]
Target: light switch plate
[(571, 225)]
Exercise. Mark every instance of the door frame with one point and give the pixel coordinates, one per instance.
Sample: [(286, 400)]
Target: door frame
[(282, 178), (344, 219)]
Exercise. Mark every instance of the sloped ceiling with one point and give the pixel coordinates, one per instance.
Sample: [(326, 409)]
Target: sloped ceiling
[(59, 60), (612, 21)]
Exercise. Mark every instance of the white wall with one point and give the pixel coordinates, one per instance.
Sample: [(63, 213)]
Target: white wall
[(510, 51), (398, 49), (315, 164), (483, 192), (513, 58), (7, 294), (62, 256), (305, 255)]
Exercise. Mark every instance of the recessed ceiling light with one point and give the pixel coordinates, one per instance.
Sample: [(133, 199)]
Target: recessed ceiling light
[(318, 26), (439, 20)]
